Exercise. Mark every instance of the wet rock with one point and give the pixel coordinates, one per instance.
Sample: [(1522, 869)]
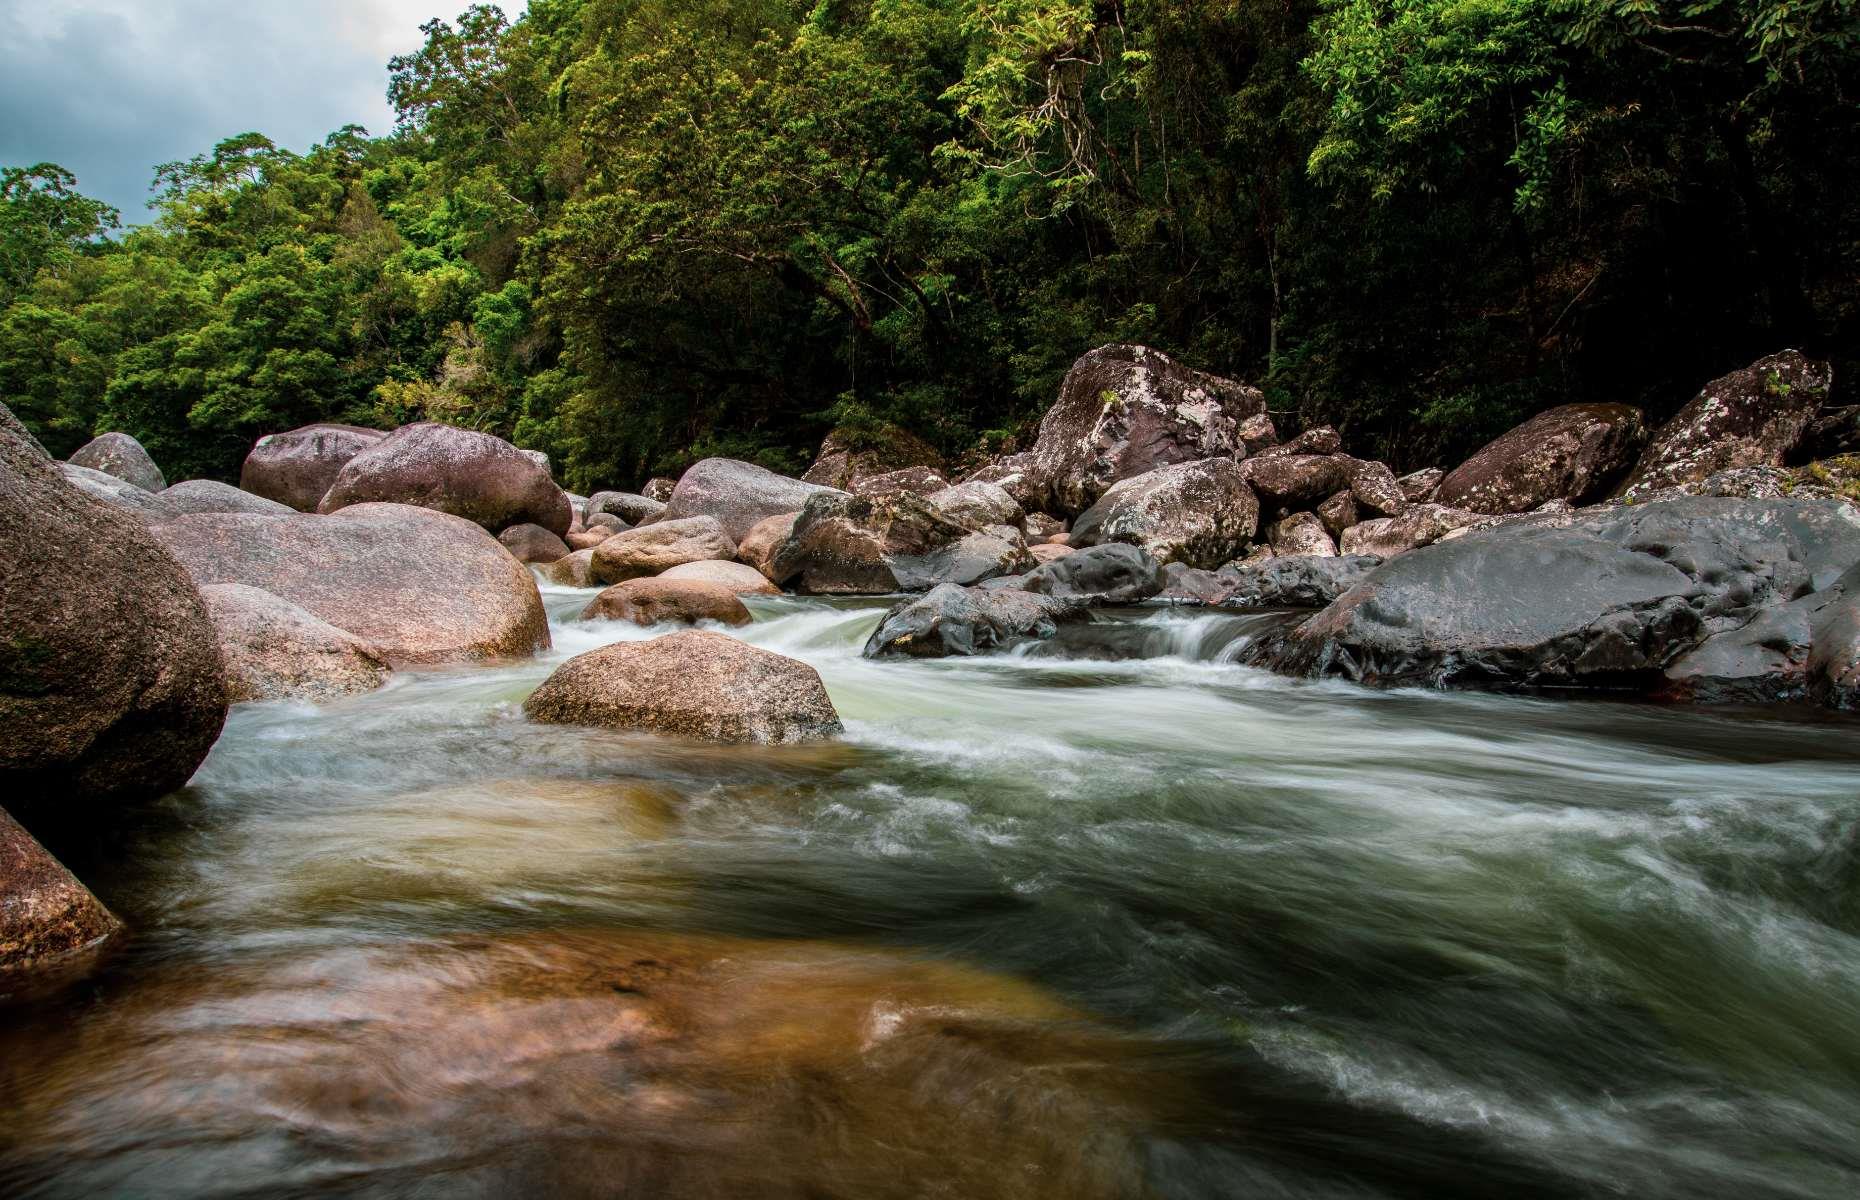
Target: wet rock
[(697, 684), (275, 650), (741, 578), (953, 620), (1338, 513), (628, 508), (1296, 480), (921, 481), (1375, 489), (533, 544), (1199, 513), (298, 467), (659, 488), (662, 601), (1113, 573), (976, 504), (659, 546), (1420, 525), (1419, 487), (420, 586), (1126, 410), (576, 570), (1749, 418), (847, 457), (1577, 453), (120, 455), (49, 922), (1639, 590), (119, 494), (1287, 581), (111, 687), (473, 475), (1300, 534), (1834, 654), (211, 496), (760, 545), (736, 494)]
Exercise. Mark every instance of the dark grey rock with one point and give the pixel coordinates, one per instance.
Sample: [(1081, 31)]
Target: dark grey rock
[(952, 620)]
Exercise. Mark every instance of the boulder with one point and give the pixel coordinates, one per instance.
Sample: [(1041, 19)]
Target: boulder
[(1019, 475), (976, 503), (627, 508), (587, 539), (848, 456), (659, 546), (1320, 440), (576, 570), (696, 684), (420, 586), (1192, 585), (1294, 581), (1199, 513), (736, 494), (1113, 573), (1126, 410), (760, 545), (111, 687), (921, 481), (1040, 526), (211, 496), (1418, 487), (1575, 453), (49, 922), (1300, 534), (954, 620), (662, 601), (298, 467), (1749, 418), (473, 475), (1694, 597), (740, 578), (1047, 552), (120, 455), (659, 488), (275, 650), (1296, 480), (119, 494), (609, 522), (1338, 513), (856, 545), (534, 544), (1374, 488), (1420, 525)]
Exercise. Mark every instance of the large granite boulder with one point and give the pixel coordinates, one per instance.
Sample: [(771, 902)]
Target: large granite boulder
[(1113, 573), (954, 620), (629, 507), (740, 578), (662, 601), (275, 650), (976, 503), (697, 684), (1126, 410), (212, 496), (533, 544), (923, 481), (1575, 453), (848, 456), (651, 549), (736, 494), (1198, 513), (1420, 525), (857, 545), (1300, 534), (420, 586), (473, 475), (1674, 597), (297, 468), (49, 922), (111, 687), (760, 545), (1292, 481), (120, 455), (1749, 418), (119, 494)]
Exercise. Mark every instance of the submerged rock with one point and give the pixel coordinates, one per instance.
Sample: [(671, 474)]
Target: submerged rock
[(663, 601), (275, 650), (1198, 513), (419, 586), (468, 474), (737, 495), (111, 687), (696, 684), (298, 467), (1114, 573), (637, 553), (120, 455), (952, 620), (49, 922)]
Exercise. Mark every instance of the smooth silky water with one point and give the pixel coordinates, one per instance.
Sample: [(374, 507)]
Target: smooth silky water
[(1110, 917)]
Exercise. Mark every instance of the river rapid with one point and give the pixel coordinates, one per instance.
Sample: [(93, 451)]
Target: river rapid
[(1111, 918)]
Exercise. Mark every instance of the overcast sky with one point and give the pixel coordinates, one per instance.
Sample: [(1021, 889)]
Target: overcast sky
[(109, 88)]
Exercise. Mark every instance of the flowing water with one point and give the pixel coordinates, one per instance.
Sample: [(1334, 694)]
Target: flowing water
[(1113, 917)]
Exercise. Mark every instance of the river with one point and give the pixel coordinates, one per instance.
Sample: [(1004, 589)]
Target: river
[(1112, 918)]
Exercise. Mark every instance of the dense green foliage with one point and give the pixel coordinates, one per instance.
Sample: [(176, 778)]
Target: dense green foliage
[(631, 232)]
